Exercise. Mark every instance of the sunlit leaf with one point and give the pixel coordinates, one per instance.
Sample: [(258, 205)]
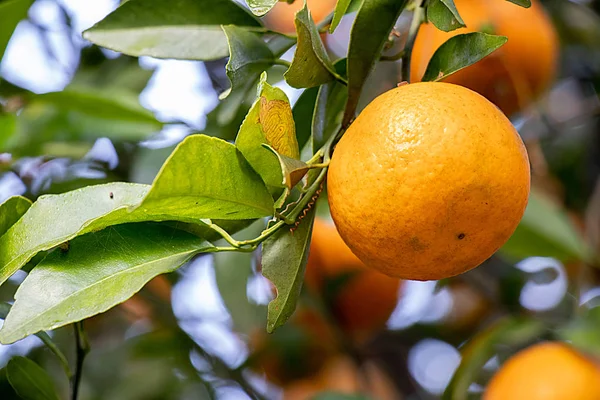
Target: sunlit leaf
[(284, 257), (311, 65), (180, 29), (11, 211), (11, 13), (371, 30), (97, 272), (260, 7), (546, 231), (459, 52), (444, 15), (204, 178), (29, 380), (269, 121)]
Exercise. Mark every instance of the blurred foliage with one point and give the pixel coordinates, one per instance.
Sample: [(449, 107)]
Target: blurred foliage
[(150, 346)]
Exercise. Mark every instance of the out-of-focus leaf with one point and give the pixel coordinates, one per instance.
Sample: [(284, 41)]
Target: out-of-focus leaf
[(221, 185), (116, 105), (545, 230), (180, 29), (232, 271), (311, 65), (97, 272), (340, 9), (459, 52), (249, 58), (329, 110), (11, 13), (284, 260), (293, 170), (371, 30), (582, 332), (260, 7), (475, 353), (29, 380), (8, 127), (11, 211), (522, 3), (444, 15), (269, 121), (303, 111)]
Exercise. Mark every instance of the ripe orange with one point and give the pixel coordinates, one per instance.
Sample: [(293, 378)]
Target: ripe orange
[(297, 350), (546, 371), (428, 182), (281, 17), (361, 299), (512, 76)]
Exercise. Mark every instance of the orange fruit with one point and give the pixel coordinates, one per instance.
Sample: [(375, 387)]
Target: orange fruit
[(342, 375), (428, 182), (297, 350), (282, 15), (515, 74), (546, 371), (360, 298)]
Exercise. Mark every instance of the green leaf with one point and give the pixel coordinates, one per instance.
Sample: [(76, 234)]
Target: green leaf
[(340, 10), (444, 15), (11, 13), (371, 30), (284, 257), (11, 211), (545, 230), (204, 178), (99, 271), (478, 350), (113, 105), (329, 110), (207, 178), (260, 7), (249, 58), (269, 121), (522, 3), (303, 112), (29, 380), (459, 52), (293, 170), (180, 29), (8, 127), (311, 65)]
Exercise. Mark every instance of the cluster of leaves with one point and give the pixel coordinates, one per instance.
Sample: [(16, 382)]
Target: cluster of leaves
[(103, 243)]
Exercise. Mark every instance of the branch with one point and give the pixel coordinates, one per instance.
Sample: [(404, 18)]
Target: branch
[(82, 349), (417, 20)]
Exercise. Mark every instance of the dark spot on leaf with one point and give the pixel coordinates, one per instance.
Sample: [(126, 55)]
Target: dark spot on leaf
[(111, 195), (461, 236)]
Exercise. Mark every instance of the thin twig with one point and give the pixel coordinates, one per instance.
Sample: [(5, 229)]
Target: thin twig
[(82, 349), (417, 20), (45, 338)]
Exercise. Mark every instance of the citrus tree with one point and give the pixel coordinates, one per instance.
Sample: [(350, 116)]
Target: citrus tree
[(424, 180)]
